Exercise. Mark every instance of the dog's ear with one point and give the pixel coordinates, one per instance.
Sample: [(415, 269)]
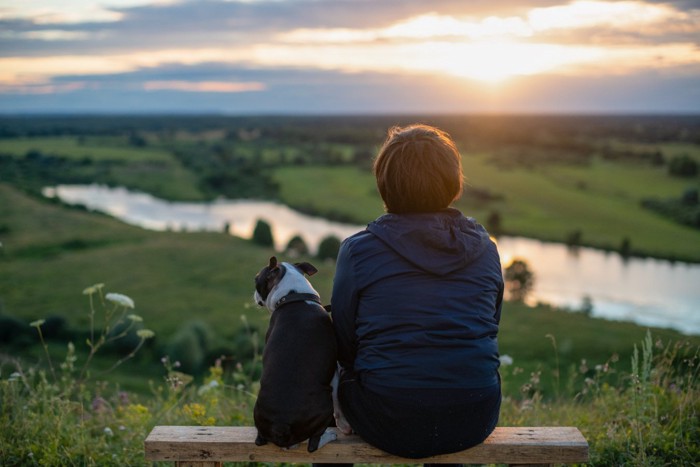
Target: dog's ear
[(273, 262), (306, 268)]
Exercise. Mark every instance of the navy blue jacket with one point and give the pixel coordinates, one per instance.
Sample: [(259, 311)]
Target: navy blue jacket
[(417, 301)]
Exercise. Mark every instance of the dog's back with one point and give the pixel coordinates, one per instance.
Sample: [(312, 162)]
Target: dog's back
[(299, 360)]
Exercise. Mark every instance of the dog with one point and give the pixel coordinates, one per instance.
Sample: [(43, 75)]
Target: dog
[(295, 401)]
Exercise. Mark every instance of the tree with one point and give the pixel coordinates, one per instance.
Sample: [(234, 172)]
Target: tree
[(683, 166), (262, 234), (297, 247), (329, 247), (519, 280), (493, 223)]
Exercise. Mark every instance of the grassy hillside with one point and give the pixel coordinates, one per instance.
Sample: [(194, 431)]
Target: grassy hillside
[(565, 369), (601, 201), (51, 253)]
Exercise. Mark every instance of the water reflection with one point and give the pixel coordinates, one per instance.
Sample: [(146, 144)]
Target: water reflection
[(645, 291)]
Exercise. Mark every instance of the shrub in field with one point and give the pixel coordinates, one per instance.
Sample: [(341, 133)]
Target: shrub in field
[(262, 234), (683, 166), (190, 345), (297, 247), (328, 248), (519, 279)]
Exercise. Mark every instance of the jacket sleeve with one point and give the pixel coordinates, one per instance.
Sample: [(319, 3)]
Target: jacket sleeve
[(344, 301)]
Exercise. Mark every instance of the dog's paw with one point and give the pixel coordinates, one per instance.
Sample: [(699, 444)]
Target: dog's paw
[(260, 441)]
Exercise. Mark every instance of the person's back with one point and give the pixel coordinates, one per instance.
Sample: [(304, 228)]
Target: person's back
[(416, 304)]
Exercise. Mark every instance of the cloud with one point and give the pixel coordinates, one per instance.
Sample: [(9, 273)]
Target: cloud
[(203, 86), (300, 91), (214, 47)]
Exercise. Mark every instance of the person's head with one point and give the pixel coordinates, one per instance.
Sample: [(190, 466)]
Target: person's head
[(418, 169)]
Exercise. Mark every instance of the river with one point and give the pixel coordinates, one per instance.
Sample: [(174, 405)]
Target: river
[(648, 292)]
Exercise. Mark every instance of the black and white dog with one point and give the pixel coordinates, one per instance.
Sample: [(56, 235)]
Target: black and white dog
[(299, 359)]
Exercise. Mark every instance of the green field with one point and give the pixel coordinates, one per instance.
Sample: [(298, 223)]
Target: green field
[(50, 253), (602, 201), (194, 290), (77, 148), (50, 256)]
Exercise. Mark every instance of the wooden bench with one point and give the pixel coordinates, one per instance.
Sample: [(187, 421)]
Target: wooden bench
[(209, 446)]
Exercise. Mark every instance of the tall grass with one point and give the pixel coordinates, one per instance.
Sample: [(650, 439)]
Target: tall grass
[(64, 414), (646, 416)]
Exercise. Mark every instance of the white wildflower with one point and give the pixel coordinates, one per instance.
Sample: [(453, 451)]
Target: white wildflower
[(120, 299), (145, 333), (37, 323), (93, 289), (108, 431), (207, 387), (506, 360), (135, 318), (14, 376)]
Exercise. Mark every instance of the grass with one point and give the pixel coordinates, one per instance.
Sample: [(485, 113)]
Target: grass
[(567, 368), (77, 148), (176, 278), (635, 398), (551, 202), (340, 192), (644, 416), (150, 169)]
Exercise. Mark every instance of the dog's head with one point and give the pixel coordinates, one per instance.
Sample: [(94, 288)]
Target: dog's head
[(271, 275)]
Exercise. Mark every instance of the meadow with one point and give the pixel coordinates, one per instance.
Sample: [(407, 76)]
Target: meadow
[(194, 290)]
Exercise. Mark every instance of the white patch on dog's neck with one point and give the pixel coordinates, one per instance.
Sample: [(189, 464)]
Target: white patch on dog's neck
[(294, 280)]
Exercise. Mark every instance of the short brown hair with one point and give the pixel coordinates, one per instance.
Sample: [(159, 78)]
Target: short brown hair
[(418, 169)]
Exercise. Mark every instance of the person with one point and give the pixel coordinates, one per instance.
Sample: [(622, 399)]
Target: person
[(416, 305)]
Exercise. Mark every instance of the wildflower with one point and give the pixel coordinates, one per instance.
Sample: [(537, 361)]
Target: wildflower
[(38, 323), (145, 333), (108, 431), (99, 404), (123, 397), (583, 367), (135, 318), (506, 360), (14, 376), (213, 384), (93, 289), (120, 299)]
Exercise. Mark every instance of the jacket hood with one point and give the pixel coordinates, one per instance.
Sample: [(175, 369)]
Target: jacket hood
[(437, 242)]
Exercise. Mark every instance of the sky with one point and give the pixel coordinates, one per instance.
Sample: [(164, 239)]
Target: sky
[(349, 56)]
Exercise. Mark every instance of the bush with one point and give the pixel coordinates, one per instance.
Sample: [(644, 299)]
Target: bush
[(519, 279), (494, 223), (262, 234), (328, 248), (189, 346), (297, 247), (683, 166), (12, 329)]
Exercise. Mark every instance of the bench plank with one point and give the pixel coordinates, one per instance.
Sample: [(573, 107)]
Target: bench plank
[(506, 445)]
